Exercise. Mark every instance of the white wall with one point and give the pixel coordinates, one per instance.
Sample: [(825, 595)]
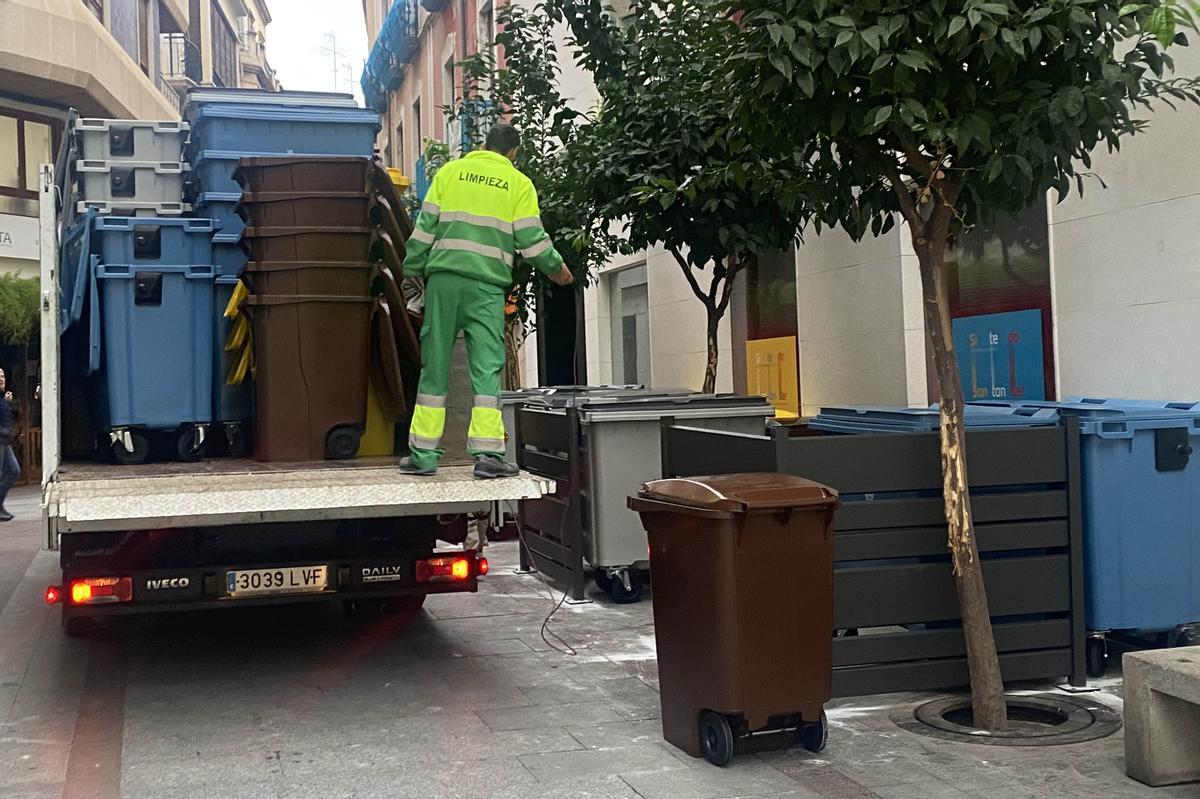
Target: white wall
[(1126, 265), (858, 306)]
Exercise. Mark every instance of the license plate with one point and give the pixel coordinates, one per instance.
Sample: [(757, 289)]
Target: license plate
[(286, 580)]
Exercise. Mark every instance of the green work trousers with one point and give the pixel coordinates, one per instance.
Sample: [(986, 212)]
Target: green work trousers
[(453, 304)]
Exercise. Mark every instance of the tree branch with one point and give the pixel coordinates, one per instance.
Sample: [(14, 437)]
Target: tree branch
[(912, 152), (908, 206), (733, 272), (687, 272)]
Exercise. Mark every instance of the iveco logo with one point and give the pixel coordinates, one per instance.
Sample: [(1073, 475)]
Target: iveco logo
[(167, 582), (382, 574)]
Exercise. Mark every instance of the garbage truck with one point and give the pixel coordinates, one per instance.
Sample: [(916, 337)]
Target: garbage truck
[(175, 533)]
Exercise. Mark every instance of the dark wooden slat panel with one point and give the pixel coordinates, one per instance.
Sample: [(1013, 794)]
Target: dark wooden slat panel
[(690, 452), (927, 511), (542, 430), (552, 466), (933, 675), (924, 592), (925, 541), (912, 461), (894, 647)]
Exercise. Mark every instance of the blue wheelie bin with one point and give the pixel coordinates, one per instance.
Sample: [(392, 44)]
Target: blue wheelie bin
[(233, 405)]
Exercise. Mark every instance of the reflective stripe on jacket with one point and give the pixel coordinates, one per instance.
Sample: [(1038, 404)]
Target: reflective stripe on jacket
[(479, 212)]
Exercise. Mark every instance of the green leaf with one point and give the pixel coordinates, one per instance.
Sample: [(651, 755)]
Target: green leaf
[(843, 38), (880, 117), (841, 21), (776, 31), (995, 9), (873, 37), (914, 59), (1035, 39), (805, 82), (881, 62), (781, 63), (956, 24), (1132, 8), (1161, 25)]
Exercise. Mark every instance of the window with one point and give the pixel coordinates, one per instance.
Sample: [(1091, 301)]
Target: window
[(453, 126), (418, 130), (630, 326), (97, 7), (26, 142), (224, 50), (144, 33), (487, 29), (398, 161)]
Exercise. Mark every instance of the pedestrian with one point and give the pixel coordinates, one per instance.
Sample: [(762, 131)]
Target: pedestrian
[(479, 212), (10, 468)]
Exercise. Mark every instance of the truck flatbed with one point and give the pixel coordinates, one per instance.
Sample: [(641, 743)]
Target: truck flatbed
[(91, 497)]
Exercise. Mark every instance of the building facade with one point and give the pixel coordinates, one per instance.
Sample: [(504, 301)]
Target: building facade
[(106, 58)]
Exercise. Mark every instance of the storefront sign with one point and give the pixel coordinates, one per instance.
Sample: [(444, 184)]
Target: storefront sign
[(1000, 356), (19, 237), (771, 372)]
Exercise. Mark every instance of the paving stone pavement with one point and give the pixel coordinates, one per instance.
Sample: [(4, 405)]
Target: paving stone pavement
[(468, 700)]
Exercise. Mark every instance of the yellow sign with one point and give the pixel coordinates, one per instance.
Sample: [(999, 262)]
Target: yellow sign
[(771, 371)]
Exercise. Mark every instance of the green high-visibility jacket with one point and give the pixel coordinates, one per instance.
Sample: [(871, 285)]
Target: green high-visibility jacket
[(479, 211)]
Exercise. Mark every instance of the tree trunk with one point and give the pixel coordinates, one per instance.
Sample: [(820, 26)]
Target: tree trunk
[(513, 338), (714, 354), (987, 687)]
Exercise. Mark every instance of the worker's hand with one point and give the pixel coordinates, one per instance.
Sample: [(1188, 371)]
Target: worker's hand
[(563, 277), (8, 396)]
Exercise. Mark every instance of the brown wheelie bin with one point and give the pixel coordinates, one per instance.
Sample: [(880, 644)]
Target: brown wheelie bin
[(308, 209), (309, 243), (282, 278), (742, 573), (311, 359), (302, 173)]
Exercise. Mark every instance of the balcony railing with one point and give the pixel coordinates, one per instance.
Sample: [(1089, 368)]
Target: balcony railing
[(172, 96), (180, 58)]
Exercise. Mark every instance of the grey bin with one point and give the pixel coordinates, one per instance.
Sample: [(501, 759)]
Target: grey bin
[(133, 208), (131, 139), (132, 182), (553, 396), (619, 449)]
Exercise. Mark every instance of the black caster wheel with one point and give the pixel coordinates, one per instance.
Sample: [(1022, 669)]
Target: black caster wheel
[(602, 580), (238, 443), (716, 738), (1189, 635), (188, 446), (814, 736), (1097, 658), (342, 443), (139, 453), (618, 593)]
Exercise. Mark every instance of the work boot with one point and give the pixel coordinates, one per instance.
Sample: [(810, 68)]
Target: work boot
[(488, 468), (5, 516), (408, 467)]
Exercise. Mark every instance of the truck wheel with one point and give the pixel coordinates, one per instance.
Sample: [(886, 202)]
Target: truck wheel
[(622, 595), (141, 450), (1097, 658), (409, 603), (76, 627), (188, 448), (342, 443), (814, 736), (716, 738)]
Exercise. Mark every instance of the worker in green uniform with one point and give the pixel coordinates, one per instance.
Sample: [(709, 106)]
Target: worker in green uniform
[(479, 212)]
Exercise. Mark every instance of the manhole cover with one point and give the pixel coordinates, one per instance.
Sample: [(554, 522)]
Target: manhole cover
[(1043, 720)]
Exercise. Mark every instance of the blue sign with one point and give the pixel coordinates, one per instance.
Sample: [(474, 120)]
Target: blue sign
[(1000, 356)]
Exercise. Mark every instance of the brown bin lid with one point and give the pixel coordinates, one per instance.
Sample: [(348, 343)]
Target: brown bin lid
[(741, 492)]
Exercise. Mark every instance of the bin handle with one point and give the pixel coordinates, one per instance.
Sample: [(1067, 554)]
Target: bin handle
[(262, 299), (644, 505), (389, 255)]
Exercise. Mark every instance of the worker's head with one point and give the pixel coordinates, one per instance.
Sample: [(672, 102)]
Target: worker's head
[(504, 139), (3, 380)]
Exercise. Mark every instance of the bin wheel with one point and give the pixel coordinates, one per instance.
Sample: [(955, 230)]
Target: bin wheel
[(716, 738), (341, 443), (1097, 658), (141, 450), (603, 580), (239, 445), (618, 593), (814, 736), (187, 447), (1189, 635)]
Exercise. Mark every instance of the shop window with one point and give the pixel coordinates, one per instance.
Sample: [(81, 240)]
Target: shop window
[(630, 326), (26, 142)]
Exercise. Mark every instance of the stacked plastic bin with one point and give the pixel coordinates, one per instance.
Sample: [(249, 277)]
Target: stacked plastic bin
[(227, 125), (313, 236), (145, 275)]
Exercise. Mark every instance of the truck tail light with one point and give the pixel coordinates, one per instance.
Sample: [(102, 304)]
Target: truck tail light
[(53, 595), (441, 570), (482, 565), (101, 590)]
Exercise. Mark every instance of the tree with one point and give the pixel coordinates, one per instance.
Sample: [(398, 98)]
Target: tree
[(525, 93), (944, 112), (665, 160), (18, 309)]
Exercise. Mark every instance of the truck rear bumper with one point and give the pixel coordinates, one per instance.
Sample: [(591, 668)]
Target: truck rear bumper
[(166, 590)]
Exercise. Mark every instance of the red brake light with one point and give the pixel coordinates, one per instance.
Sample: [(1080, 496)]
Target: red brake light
[(435, 570), (482, 565), (99, 590), (53, 595)]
